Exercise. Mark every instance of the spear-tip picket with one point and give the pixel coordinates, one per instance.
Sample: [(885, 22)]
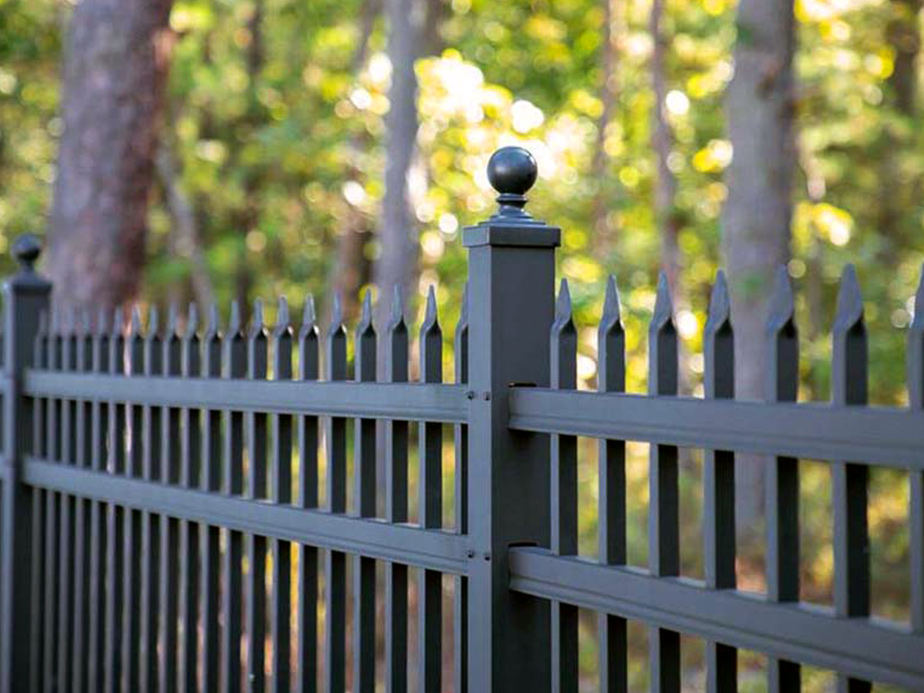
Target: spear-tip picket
[(611, 320), (365, 325), (283, 320), (563, 317), (396, 321), (257, 323), (431, 321), (719, 307), (849, 302), (782, 316), (663, 317), (234, 321), (309, 326), (192, 321), (336, 316)]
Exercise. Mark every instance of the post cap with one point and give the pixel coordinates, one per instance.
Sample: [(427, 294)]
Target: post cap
[(512, 171), (26, 249)]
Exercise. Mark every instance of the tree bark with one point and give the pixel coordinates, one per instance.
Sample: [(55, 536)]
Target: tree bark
[(897, 193), (186, 241), (248, 218), (662, 141), (350, 269), (904, 38), (603, 231), (397, 261), (757, 214), (115, 70)]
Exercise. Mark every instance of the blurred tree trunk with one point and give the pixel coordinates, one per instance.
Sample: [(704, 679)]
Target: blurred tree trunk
[(904, 39), (397, 261), (897, 194), (115, 68), (248, 218), (603, 229), (185, 240), (662, 141), (757, 214), (350, 268)]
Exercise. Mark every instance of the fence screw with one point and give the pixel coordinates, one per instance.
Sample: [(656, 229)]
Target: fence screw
[(470, 394), (486, 396)]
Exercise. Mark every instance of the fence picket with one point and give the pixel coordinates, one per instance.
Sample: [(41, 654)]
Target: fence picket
[(169, 537), (66, 507), (916, 511), (211, 535), (564, 495), (257, 344), (40, 505), (116, 516), (234, 354), (99, 537), (460, 432), (364, 471), (850, 481), (52, 536), (663, 494), (782, 500), (611, 377), (190, 434), (281, 465), (308, 356), (83, 512), (335, 568), (131, 586), (719, 484), (396, 504), (151, 554), (429, 584)]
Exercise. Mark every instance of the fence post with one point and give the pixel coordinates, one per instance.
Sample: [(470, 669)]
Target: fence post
[(26, 297), (512, 287)]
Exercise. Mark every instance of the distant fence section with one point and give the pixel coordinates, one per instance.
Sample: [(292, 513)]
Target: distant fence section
[(199, 510)]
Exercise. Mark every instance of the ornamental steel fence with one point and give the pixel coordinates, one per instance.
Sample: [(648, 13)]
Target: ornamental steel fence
[(183, 510)]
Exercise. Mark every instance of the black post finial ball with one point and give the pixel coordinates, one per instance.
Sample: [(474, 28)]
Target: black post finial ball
[(26, 250), (512, 171)]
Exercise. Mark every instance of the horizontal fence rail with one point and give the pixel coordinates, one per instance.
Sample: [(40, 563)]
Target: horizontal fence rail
[(438, 550), (877, 435), (871, 649), (271, 507), (405, 401)]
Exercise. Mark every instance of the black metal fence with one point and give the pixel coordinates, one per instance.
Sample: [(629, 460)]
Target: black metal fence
[(161, 492)]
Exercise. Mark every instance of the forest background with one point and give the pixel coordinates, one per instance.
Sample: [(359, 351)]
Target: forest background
[(210, 150)]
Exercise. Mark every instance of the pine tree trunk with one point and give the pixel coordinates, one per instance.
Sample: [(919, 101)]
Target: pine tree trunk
[(603, 231), (662, 142), (397, 261), (757, 214), (248, 218), (115, 69), (898, 193)]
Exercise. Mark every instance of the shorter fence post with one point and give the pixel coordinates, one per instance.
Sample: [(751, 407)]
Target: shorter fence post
[(26, 297), (512, 287)]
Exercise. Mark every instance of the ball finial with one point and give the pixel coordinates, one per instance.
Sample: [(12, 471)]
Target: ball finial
[(512, 171), (26, 250)]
